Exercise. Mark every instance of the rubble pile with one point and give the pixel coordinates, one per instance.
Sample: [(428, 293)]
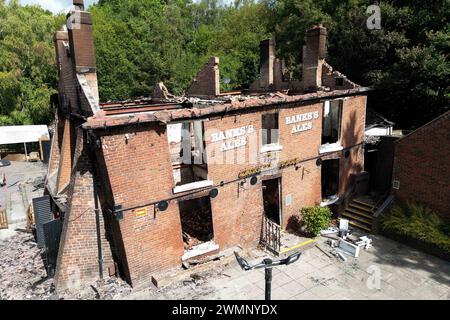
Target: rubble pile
[(23, 276), (197, 226), (110, 288), (22, 271)]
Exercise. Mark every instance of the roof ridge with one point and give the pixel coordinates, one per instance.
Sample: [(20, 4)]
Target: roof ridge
[(424, 126)]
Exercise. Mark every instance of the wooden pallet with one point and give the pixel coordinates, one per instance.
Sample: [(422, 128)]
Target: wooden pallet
[(3, 219)]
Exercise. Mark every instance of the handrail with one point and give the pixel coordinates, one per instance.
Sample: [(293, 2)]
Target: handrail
[(382, 199)]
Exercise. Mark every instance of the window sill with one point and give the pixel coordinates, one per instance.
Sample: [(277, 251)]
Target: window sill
[(271, 147), (199, 250), (329, 201), (330, 147), (193, 186)]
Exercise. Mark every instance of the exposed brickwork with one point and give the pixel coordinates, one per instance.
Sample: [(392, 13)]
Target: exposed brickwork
[(134, 170), (314, 53), (65, 163), (77, 258), (139, 171), (207, 81), (421, 166), (81, 38), (352, 129), (53, 162)]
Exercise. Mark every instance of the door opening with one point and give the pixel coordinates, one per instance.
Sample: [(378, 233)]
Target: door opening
[(196, 221), (330, 179), (272, 199)]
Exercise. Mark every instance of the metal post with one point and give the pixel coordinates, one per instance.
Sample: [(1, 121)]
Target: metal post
[(268, 276), (26, 153)]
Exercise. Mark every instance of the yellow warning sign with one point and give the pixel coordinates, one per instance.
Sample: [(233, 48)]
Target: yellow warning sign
[(141, 212)]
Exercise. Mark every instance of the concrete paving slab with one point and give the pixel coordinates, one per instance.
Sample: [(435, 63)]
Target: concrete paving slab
[(288, 290), (307, 295)]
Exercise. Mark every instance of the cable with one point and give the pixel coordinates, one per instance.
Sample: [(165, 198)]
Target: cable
[(221, 184)]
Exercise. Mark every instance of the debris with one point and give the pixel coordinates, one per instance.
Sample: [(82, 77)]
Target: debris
[(326, 253), (23, 275), (330, 237), (341, 256), (349, 248), (364, 242), (330, 230), (333, 243), (343, 228)]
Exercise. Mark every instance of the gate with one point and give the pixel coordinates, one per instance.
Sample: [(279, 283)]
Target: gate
[(271, 235), (3, 219), (52, 235)]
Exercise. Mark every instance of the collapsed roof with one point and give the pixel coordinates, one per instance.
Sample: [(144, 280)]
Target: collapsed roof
[(78, 81)]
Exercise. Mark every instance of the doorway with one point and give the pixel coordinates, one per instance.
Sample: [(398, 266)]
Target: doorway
[(272, 199), (330, 178), (196, 221)]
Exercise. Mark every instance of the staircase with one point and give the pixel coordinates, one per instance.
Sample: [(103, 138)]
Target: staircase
[(360, 214)]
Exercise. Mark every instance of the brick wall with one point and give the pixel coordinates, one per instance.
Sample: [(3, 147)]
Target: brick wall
[(65, 163), (207, 81), (352, 133), (139, 171), (421, 166), (77, 258)]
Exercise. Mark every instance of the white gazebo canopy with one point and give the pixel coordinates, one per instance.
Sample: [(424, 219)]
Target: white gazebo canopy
[(22, 134)]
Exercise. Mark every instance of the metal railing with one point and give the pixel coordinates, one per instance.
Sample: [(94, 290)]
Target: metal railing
[(271, 235)]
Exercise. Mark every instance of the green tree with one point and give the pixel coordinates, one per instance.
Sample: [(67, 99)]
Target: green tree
[(27, 63)]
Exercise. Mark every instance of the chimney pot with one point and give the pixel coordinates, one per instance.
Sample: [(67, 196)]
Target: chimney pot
[(79, 4)]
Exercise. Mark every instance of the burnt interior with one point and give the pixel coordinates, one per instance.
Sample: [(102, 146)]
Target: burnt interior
[(196, 221), (271, 198), (330, 178)]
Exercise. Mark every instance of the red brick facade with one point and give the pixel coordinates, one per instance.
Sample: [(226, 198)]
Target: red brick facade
[(421, 166), (126, 160)]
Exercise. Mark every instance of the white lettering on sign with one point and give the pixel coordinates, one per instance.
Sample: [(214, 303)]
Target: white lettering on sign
[(232, 134), (300, 127)]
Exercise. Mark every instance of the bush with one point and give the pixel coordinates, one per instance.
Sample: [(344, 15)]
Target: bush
[(419, 222), (316, 219)]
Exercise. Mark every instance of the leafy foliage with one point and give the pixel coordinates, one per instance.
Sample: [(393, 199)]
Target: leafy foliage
[(316, 219), (140, 42), (27, 67), (420, 222)]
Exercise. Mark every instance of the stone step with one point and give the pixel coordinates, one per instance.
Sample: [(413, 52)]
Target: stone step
[(362, 203), (359, 213), (357, 218), (359, 226), (362, 208)]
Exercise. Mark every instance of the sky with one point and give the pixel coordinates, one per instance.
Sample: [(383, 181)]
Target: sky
[(55, 6)]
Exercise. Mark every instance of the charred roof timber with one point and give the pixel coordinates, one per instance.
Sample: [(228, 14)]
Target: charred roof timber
[(203, 97)]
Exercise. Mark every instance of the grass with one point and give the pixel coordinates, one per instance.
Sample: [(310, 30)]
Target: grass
[(417, 221)]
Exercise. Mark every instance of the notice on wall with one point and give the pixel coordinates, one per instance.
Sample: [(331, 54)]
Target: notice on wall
[(232, 138), (302, 122), (142, 212)]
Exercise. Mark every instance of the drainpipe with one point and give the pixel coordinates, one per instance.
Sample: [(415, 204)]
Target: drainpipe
[(92, 142)]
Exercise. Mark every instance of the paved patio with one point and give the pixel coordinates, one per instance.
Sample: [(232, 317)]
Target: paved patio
[(388, 270)]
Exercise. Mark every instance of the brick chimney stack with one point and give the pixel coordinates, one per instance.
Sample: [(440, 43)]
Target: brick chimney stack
[(79, 25), (266, 62), (314, 53), (79, 4)]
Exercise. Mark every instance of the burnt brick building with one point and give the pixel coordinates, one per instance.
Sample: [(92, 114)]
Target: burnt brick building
[(421, 171), (143, 185)]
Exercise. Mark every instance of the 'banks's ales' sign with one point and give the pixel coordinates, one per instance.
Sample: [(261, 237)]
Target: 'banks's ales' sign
[(235, 138), (301, 122)]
